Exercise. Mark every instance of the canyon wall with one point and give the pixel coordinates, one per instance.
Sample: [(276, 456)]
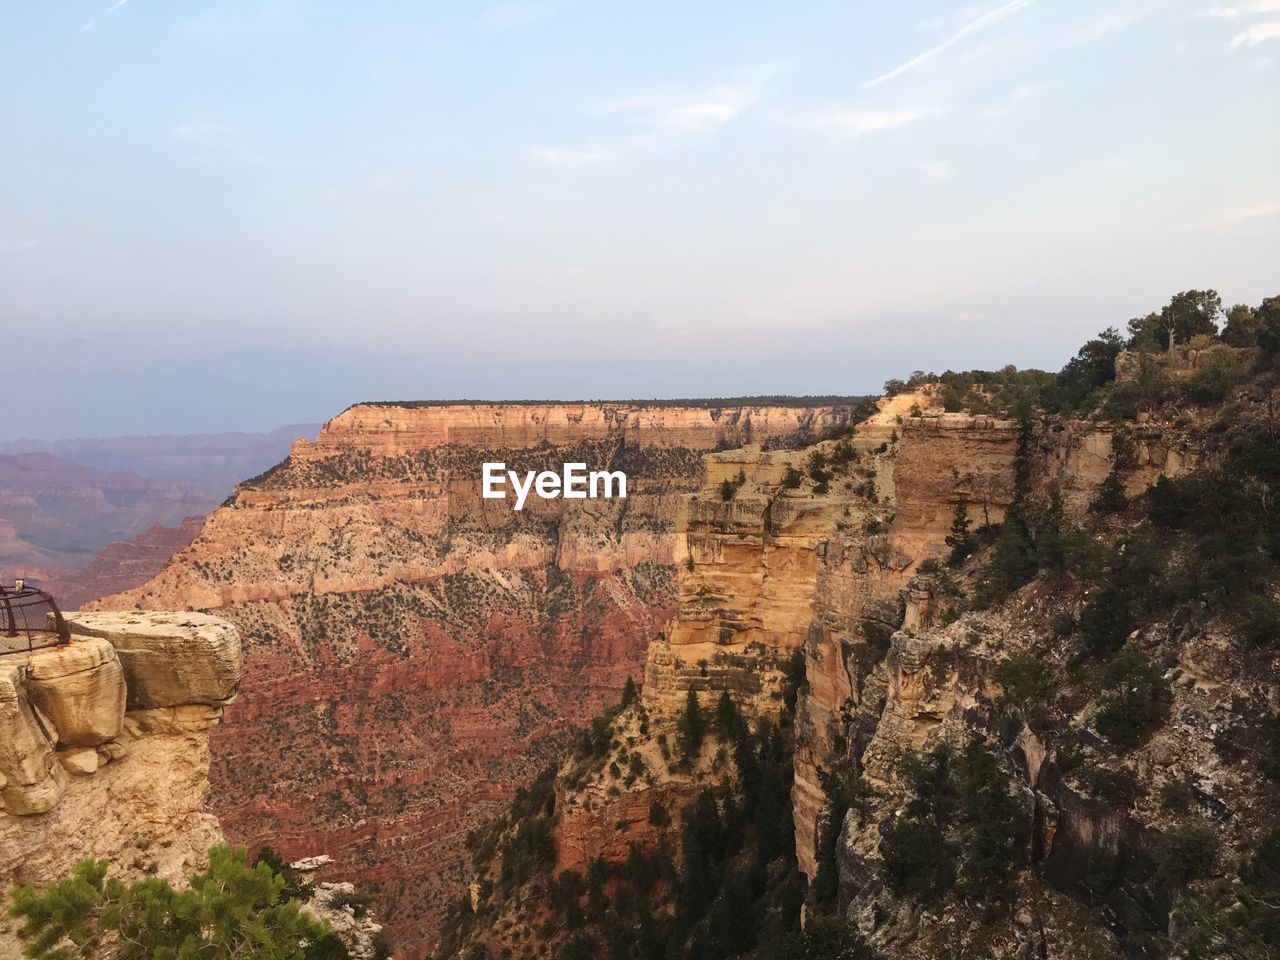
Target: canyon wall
[(821, 573), (413, 651), (104, 748)]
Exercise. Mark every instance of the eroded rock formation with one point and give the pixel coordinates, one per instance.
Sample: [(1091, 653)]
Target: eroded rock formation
[(104, 747), (414, 651)]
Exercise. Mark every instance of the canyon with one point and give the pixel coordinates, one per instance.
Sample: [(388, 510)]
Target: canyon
[(56, 515), (90, 517), (413, 651), (819, 593), (211, 462)]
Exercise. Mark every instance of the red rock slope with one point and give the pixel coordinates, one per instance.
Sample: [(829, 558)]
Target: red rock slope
[(415, 651)]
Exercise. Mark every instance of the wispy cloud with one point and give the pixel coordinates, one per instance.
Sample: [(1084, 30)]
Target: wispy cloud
[(1246, 218), (940, 170), (1256, 34), (568, 158), (712, 109), (221, 140), (1252, 212), (855, 123), (969, 29), (1225, 12), (88, 24), (660, 121)]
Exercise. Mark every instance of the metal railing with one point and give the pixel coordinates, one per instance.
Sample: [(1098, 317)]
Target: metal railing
[(29, 620)]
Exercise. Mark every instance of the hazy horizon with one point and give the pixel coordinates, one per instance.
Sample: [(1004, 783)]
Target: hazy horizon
[(233, 216)]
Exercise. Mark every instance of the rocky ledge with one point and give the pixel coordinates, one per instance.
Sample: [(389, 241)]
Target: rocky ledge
[(67, 710)]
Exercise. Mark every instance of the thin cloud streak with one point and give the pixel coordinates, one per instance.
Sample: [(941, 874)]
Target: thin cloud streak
[(968, 30), (850, 124), (1230, 13), (717, 107)]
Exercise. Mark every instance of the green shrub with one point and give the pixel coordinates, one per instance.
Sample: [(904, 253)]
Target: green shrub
[(1138, 701), (1260, 621), (1184, 853), (917, 860), (961, 825), (1111, 497), (1029, 686), (228, 910), (1106, 622), (529, 851), (1215, 377)]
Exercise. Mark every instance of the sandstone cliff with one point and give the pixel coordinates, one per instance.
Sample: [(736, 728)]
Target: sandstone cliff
[(104, 747), (827, 567), (423, 650)]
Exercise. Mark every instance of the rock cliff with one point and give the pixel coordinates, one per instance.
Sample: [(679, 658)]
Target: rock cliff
[(422, 650), (104, 747), (1011, 747)]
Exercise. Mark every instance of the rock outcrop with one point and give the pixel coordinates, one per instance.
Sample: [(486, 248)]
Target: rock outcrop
[(88, 769), (424, 650), (1041, 726)]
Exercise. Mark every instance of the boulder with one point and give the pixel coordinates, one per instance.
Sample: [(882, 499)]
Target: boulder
[(169, 659), (81, 763), (78, 688), (111, 751), (33, 780)]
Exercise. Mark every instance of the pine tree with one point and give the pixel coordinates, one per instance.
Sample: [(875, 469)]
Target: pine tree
[(1051, 537), (727, 717), (229, 910), (1111, 496), (959, 539), (691, 728), (1013, 561), (629, 693)]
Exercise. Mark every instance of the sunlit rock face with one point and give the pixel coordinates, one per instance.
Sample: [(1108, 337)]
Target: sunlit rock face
[(92, 766), (414, 651)]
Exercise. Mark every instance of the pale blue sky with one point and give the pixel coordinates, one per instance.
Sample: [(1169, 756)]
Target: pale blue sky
[(239, 214)]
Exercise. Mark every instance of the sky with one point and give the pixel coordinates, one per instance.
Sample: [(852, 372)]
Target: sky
[(239, 214)]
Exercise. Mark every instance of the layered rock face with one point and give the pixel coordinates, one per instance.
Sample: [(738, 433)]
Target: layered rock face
[(415, 651), (829, 562), (104, 747)]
